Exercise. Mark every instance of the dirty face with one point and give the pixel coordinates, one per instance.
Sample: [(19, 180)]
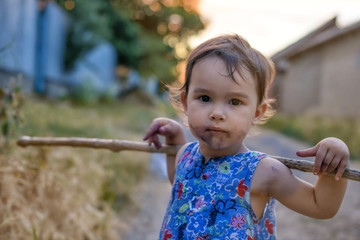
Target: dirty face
[(221, 110)]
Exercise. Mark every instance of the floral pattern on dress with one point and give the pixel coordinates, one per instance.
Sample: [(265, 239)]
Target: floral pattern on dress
[(212, 200)]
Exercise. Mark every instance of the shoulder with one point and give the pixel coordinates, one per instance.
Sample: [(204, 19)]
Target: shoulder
[(272, 169), (182, 153), (270, 173), (186, 149), (271, 165)]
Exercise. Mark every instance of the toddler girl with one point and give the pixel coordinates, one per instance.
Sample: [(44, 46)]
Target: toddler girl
[(222, 189)]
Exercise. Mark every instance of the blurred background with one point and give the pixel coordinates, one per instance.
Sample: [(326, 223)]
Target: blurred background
[(100, 69)]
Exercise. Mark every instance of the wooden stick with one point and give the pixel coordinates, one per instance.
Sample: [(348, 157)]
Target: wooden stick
[(110, 144), (121, 145)]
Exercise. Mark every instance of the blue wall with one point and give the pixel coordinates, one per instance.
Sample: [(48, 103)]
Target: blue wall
[(96, 68), (32, 42), (50, 48), (18, 35)]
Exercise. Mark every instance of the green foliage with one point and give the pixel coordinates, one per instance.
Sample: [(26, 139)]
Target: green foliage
[(312, 129), (164, 34), (92, 22), (34, 233), (11, 102), (157, 59), (126, 119), (84, 94), (286, 125), (125, 38), (149, 36)]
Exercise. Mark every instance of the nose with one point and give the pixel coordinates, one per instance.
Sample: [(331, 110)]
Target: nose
[(217, 114)]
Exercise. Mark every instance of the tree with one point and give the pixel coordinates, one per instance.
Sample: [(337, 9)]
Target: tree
[(95, 21), (166, 26), (150, 36)]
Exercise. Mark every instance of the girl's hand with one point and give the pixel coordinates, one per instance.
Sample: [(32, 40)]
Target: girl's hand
[(330, 154), (170, 129)]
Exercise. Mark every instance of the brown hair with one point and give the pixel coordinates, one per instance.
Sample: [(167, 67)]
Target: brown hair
[(238, 56)]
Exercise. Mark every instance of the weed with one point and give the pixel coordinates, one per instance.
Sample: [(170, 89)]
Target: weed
[(11, 102), (34, 234)]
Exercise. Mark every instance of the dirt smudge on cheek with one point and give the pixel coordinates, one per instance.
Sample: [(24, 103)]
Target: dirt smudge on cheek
[(209, 138), (200, 133)]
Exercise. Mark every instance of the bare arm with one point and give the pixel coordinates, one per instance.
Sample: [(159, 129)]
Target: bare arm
[(321, 200), (174, 135)]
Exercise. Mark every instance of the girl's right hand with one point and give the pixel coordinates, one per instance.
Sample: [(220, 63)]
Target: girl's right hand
[(170, 129)]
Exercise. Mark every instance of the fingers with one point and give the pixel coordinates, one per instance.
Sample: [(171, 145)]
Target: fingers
[(333, 165), (341, 169), (152, 135), (327, 161), (164, 127), (153, 129), (167, 130), (155, 140), (310, 152), (331, 155), (319, 160), (323, 158)]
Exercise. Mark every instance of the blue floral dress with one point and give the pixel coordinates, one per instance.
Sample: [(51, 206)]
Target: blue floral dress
[(212, 200)]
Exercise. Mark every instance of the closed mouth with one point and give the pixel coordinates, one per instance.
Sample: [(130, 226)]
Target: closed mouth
[(215, 130)]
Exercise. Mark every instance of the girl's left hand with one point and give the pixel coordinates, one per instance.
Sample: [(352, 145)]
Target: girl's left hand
[(330, 154)]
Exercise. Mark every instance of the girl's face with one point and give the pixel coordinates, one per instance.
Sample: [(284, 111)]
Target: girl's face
[(220, 110)]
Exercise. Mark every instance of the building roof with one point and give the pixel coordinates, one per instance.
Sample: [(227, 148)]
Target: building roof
[(319, 36)]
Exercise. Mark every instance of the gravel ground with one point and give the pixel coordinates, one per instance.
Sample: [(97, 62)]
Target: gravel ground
[(154, 193)]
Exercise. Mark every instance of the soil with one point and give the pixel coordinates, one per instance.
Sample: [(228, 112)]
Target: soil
[(153, 195)]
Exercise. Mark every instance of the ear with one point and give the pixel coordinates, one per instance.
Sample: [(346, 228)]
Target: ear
[(260, 111), (184, 102)]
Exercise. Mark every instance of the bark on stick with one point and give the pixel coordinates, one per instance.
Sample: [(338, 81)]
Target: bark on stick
[(121, 145)]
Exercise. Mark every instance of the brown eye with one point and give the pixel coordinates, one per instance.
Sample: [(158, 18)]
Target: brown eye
[(235, 102), (205, 98)]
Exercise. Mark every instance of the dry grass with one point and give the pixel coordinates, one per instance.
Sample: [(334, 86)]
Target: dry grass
[(64, 193), (52, 196)]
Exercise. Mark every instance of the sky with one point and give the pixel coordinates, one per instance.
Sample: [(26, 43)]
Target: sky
[(271, 25)]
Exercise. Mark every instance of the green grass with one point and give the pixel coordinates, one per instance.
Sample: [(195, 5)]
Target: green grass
[(100, 120), (126, 119), (312, 129)]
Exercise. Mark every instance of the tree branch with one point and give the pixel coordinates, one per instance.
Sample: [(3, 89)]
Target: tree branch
[(121, 145)]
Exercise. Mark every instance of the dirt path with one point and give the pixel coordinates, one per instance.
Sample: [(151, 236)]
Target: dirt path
[(154, 193), (293, 226), (152, 200)]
